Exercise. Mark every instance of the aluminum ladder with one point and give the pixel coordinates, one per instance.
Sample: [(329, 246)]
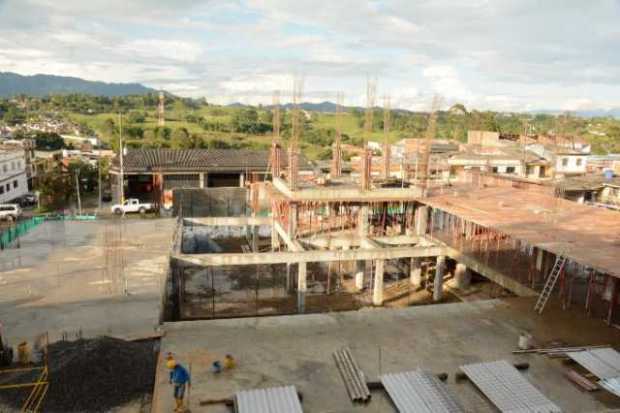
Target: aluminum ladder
[(552, 279)]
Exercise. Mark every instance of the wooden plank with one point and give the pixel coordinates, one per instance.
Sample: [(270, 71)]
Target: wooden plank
[(580, 380)]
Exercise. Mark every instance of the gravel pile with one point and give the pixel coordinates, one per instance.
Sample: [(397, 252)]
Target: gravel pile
[(92, 375)]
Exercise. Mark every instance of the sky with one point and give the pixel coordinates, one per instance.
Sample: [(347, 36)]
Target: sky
[(507, 55)]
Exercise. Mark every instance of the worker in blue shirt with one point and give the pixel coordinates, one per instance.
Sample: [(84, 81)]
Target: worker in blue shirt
[(180, 378)]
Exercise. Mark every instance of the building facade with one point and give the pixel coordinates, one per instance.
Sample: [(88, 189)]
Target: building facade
[(13, 176)]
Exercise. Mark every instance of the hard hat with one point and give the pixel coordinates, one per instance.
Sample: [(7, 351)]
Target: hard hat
[(171, 363)]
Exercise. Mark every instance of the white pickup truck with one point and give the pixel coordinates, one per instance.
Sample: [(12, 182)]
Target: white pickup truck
[(131, 205)]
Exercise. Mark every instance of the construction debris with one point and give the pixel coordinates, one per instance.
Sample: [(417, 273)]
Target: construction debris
[(352, 375), (92, 375)]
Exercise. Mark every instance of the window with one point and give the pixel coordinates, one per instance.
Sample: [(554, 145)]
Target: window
[(564, 161), (4, 168), (510, 169), (579, 161), (1, 189), (12, 166), (8, 187), (15, 184), (19, 164)]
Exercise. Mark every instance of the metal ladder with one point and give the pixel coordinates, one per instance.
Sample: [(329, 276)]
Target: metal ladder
[(552, 279)]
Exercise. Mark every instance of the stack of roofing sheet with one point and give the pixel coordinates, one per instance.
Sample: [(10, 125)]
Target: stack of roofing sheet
[(272, 400), (507, 388), (604, 363), (352, 375), (419, 392)]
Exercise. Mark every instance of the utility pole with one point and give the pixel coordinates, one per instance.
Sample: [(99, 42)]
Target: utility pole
[(99, 183), (121, 154), (77, 187)]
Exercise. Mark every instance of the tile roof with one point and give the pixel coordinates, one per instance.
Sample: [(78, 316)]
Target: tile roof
[(164, 159)]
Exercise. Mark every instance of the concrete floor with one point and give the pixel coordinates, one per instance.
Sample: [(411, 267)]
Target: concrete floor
[(298, 350), (66, 277)]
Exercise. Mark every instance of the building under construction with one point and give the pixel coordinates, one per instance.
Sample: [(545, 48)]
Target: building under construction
[(316, 248)]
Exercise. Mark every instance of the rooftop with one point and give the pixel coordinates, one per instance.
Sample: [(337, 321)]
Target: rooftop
[(275, 351), (164, 159), (587, 235), (587, 183)]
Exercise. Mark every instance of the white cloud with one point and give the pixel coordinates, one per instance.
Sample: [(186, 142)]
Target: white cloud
[(181, 51), (489, 54)]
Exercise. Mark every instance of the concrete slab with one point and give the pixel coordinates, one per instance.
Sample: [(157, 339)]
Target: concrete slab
[(71, 276), (298, 350)]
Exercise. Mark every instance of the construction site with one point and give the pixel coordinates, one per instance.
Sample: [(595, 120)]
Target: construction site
[(348, 293)]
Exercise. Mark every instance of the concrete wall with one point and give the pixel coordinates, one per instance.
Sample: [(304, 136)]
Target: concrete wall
[(484, 138)]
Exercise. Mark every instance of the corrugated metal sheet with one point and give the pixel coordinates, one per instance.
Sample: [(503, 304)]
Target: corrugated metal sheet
[(272, 400), (352, 375), (419, 392), (604, 363), (611, 385), (507, 388)]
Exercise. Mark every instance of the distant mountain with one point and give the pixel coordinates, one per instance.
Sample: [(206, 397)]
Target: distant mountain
[(12, 84), (590, 113), (326, 107)]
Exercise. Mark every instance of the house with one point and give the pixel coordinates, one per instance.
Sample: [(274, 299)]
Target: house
[(600, 190), (409, 146), (13, 177), (566, 161), (504, 160), (148, 173)]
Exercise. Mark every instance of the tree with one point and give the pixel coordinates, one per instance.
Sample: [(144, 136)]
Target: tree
[(48, 141), (136, 117), (180, 138), (56, 188)]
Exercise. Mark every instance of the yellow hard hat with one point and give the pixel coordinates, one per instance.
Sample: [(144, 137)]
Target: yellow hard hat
[(171, 363)]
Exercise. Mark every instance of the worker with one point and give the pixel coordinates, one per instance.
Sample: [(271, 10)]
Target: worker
[(180, 378), (216, 367), (229, 362)]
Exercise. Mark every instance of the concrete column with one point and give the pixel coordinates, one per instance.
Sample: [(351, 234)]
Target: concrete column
[(359, 275), (255, 238), (302, 287), (462, 275), (377, 290), (241, 180), (362, 221), (439, 272), (415, 273), (539, 259), (275, 243), (289, 283), (421, 220), (202, 180)]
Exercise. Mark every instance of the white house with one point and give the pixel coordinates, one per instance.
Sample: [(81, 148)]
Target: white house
[(566, 161), (13, 178)]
